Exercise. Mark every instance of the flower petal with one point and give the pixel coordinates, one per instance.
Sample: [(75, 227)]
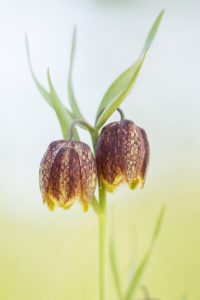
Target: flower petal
[(46, 165)]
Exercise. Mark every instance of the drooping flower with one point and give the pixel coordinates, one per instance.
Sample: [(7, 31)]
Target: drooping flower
[(122, 155), (67, 173)]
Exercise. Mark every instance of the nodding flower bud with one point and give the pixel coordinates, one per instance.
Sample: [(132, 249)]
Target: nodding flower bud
[(122, 155), (67, 173)]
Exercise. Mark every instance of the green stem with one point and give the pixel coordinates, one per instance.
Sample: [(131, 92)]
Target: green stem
[(95, 137), (80, 123), (102, 230), (102, 244), (122, 115)]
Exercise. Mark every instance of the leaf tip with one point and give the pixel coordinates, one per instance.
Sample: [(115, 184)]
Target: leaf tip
[(27, 47), (161, 14), (49, 80), (163, 209), (74, 30), (159, 18), (26, 37)]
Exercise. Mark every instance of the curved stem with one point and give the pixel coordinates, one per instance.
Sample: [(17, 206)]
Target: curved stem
[(82, 124), (120, 111), (95, 137), (102, 229)]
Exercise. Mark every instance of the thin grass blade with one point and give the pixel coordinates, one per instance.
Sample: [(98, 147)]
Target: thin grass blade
[(136, 279), (115, 270)]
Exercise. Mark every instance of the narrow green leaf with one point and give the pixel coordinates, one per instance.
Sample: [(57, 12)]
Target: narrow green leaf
[(135, 281), (158, 225), (53, 100), (64, 117), (114, 268), (72, 99), (118, 91), (120, 88), (44, 93), (152, 32)]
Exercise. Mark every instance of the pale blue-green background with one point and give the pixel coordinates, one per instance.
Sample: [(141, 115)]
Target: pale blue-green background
[(54, 256)]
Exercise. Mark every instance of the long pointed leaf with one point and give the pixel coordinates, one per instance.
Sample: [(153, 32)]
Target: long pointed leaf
[(117, 94), (44, 93), (63, 115), (120, 88), (72, 99), (152, 33), (135, 281)]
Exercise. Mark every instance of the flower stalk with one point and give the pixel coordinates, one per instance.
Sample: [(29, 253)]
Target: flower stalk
[(99, 207), (80, 123), (102, 216)]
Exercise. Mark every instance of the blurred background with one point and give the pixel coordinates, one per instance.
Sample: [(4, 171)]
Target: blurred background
[(46, 255)]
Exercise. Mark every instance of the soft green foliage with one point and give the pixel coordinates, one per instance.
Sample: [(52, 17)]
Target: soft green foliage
[(112, 99), (117, 92), (137, 276), (152, 32), (120, 88), (44, 93), (63, 114)]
